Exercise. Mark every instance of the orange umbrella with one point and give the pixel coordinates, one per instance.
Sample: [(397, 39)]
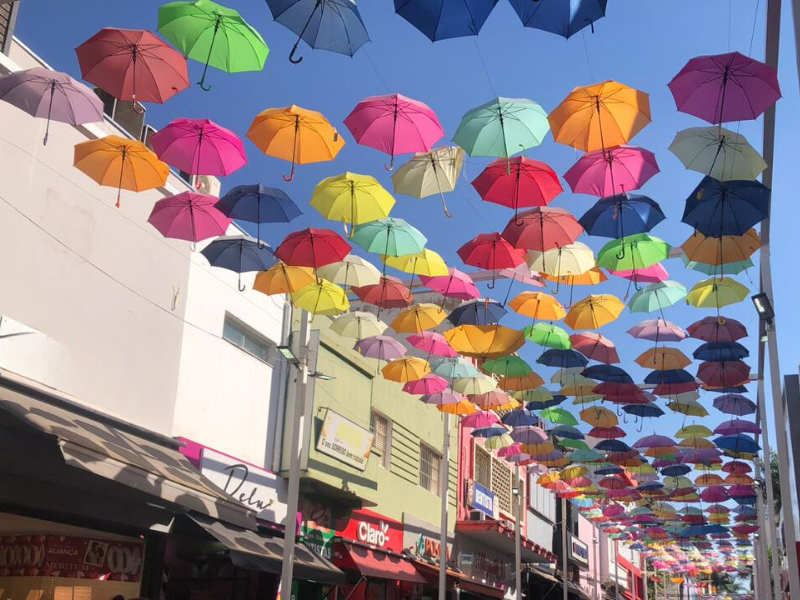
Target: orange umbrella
[(723, 249), (594, 311), (485, 341), (663, 359), (538, 305), (280, 278), (118, 162), (590, 277), (708, 479), (531, 381), (600, 116), (418, 318), (406, 369), (462, 408), (295, 134)]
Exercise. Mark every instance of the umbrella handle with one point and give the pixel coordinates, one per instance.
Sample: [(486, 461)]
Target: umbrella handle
[(621, 254), (390, 166), (447, 213), (291, 175), (292, 59), (202, 85), (137, 107)]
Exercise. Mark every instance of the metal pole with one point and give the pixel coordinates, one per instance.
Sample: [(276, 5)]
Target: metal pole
[(518, 534), (295, 445), (616, 572), (444, 488), (644, 578), (565, 589), (772, 538), (595, 540), (761, 581)]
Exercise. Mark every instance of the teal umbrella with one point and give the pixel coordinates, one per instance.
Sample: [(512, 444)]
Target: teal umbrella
[(585, 456), (559, 416), (502, 128), (507, 366), (633, 252), (454, 368), (657, 296), (389, 237), (732, 268), (548, 335)]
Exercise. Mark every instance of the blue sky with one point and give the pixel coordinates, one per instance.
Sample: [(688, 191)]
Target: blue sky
[(640, 43)]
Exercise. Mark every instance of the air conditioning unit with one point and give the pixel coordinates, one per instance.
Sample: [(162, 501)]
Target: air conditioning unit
[(477, 515), (207, 184), (507, 524)]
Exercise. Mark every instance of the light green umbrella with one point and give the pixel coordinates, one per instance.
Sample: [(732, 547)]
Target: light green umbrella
[(502, 128), (539, 396), (212, 34), (429, 173), (454, 368), (657, 297), (717, 152), (548, 335), (390, 237), (732, 268), (633, 252), (507, 366), (559, 416), (574, 444)]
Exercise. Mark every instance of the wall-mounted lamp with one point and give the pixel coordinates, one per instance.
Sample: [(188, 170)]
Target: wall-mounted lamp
[(287, 353), (764, 307)]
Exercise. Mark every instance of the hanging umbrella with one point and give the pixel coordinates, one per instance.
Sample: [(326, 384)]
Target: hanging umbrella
[(481, 419), (429, 173), (559, 17), (188, 216), (389, 237), (214, 35), (517, 183), (725, 88), (444, 403), (608, 373), (599, 417), (563, 359), (717, 329), (542, 228), (523, 274), (657, 330), (492, 400), (716, 293), (333, 25), (732, 268), (474, 385), (199, 147), (721, 351), (456, 284), (430, 384), (734, 404), (433, 343), (568, 432), (351, 270), (352, 199), (418, 318), (490, 251), (426, 262), (240, 254), (594, 311), (122, 163), (454, 368), (591, 277), (735, 426), (718, 153), (571, 259), (721, 249), (531, 381), (643, 410), (482, 311), (502, 128), (445, 19), (690, 408), (283, 279), (633, 252), (612, 172), (621, 215), (724, 374), (655, 273), (726, 207), (258, 204), (395, 125), (321, 298), (295, 134), (520, 417), (51, 95), (403, 370), (600, 116), (485, 341), (380, 347), (595, 346), (312, 248), (358, 325), (663, 359), (668, 376), (548, 336), (657, 297), (558, 416), (507, 366), (389, 292)]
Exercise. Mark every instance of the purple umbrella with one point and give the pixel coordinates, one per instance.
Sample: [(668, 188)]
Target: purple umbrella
[(430, 384), (199, 147), (657, 330), (741, 491), (381, 347), (734, 404), (189, 216), (701, 455), (737, 426), (443, 398), (655, 441), (51, 95), (528, 435)]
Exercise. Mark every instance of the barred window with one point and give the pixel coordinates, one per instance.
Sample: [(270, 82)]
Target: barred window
[(502, 482), (381, 428), (482, 472), (429, 468)]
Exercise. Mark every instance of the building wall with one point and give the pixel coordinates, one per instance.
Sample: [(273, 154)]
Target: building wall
[(590, 578)]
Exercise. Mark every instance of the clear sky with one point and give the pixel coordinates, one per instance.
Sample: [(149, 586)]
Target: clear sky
[(641, 43)]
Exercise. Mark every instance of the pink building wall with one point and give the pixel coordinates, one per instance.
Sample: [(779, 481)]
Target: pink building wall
[(590, 578)]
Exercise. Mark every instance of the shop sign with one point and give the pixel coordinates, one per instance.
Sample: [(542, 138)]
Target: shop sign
[(319, 540), (256, 488), (479, 498), (374, 530), (344, 440), (481, 562), (578, 551), (421, 539), (74, 557)]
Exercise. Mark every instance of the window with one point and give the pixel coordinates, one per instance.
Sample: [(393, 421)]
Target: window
[(482, 472), (248, 340), (502, 482), (381, 428), (429, 468)]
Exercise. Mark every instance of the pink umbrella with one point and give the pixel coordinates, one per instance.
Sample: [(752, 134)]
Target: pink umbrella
[(395, 125), (595, 347), (725, 88), (745, 529), (381, 347), (507, 451), (432, 343), (455, 285), (480, 420), (189, 216), (701, 455), (653, 274), (607, 433), (523, 274), (655, 441), (613, 510), (717, 329), (430, 384), (199, 147), (715, 493), (657, 330), (609, 172), (443, 398), (735, 426), (741, 491)]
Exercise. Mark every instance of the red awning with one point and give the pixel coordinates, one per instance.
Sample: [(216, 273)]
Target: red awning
[(380, 565)]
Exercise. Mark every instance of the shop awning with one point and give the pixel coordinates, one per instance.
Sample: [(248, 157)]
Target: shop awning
[(379, 565), (502, 538), (543, 575), (577, 590), (252, 551), (117, 450), (431, 574), (478, 589)]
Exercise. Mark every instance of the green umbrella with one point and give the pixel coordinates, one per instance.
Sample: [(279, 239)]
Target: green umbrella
[(633, 252), (657, 296), (389, 237), (502, 127), (548, 335), (507, 366), (559, 416), (732, 268), (586, 455), (212, 34), (574, 444)]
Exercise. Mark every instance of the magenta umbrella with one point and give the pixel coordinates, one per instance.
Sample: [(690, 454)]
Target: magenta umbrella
[(653, 274), (609, 172), (432, 343), (657, 330), (507, 451), (457, 285), (480, 419), (715, 493), (430, 384), (701, 455), (395, 125), (725, 87), (199, 147), (381, 347), (735, 426), (741, 491), (655, 441), (189, 216)]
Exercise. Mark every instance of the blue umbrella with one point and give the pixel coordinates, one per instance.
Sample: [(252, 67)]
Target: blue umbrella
[(554, 401), (726, 207), (333, 25), (258, 204), (745, 510), (740, 443), (669, 376), (445, 19), (611, 446), (564, 359), (567, 431), (675, 470), (520, 418), (608, 373), (721, 351), (609, 470), (562, 17), (701, 530), (490, 432), (650, 409), (239, 254), (477, 312), (454, 368), (621, 215)]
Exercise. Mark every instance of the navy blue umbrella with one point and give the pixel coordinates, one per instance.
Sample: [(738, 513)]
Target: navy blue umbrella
[(562, 17), (609, 470), (521, 417), (621, 215), (611, 446), (701, 530), (333, 25), (445, 19), (490, 432), (608, 373), (567, 431), (554, 401), (563, 359), (258, 204), (721, 351), (650, 409), (740, 443), (477, 312), (669, 376), (675, 470), (726, 207), (239, 254)]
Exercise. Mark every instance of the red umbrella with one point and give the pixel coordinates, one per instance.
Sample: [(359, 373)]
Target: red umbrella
[(133, 65), (491, 251), (312, 248), (607, 433), (727, 374), (388, 293), (595, 347), (543, 228), (673, 389), (613, 483), (621, 393), (717, 329), (737, 466), (518, 183)]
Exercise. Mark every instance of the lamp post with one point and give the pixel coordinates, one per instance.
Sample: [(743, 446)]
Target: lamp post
[(444, 488), (596, 549), (565, 590), (517, 533)]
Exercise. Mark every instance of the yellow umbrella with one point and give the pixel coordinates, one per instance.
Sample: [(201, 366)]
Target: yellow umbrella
[(663, 359), (690, 408), (723, 249), (591, 277), (510, 405), (353, 270), (716, 293), (538, 305), (573, 472), (427, 263), (461, 408), (531, 381), (549, 478), (352, 198), (418, 318), (538, 449), (738, 479), (479, 384), (579, 386), (570, 259), (321, 298), (484, 341), (599, 417), (499, 441), (406, 369), (594, 311), (358, 325), (697, 443), (693, 430), (283, 279)]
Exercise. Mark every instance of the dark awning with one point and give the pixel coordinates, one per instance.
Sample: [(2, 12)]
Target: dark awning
[(479, 589), (378, 565), (431, 573)]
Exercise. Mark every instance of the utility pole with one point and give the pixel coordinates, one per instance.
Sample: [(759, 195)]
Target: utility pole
[(444, 489), (565, 589), (616, 572), (517, 533), (595, 544)]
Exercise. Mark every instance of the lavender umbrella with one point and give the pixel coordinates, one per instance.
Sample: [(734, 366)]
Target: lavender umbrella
[(657, 330), (443, 398), (528, 435), (734, 404), (51, 95), (737, 426), (381, 347)]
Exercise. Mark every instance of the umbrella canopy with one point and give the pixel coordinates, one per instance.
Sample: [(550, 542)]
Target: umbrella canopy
[(189, 216), (430, 384), (406, 369), (429, 173), (562, 18), (655, 273), (389, 292), (426, 262), (735, 426), (718, 153), (657, 330), (481, 419), (538, 306), (548, 335), (727, 374), (312, 248), (321, 298), (474, 385), (444, 401), (542, 228), (433, 343), (493, 400), (657, 296), (455, 368), (531, 381), (558, 416), (482, 311), (258, 204), (520, 417), (633, 252), (593, 276), (239, 254), (717, 208), (485, 341), (717, 329), (352, 198), (600, 116), (394, 124), (295, 134), (594, 311), (716, 293), (663, 359), (721, 351), (214, 35), (734, 404), (283, 279), (358, 325), (418, 318), (563, 359), (571, 259), (621, 215), (351, 270), (456, 284), (732, 268), (507, 366), (518, 183), (445, 19), (490, 251), (380, 347), (612, 172), (721, 249), (502, 127), (199, 147), (595, 346), (389, 237)]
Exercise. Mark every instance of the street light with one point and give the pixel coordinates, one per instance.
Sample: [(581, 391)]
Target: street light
[(764, 307), (287, 353), (321, 376)]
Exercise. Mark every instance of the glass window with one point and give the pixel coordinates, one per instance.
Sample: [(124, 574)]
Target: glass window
[(429, 468), (381, 428), (248, 340)]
